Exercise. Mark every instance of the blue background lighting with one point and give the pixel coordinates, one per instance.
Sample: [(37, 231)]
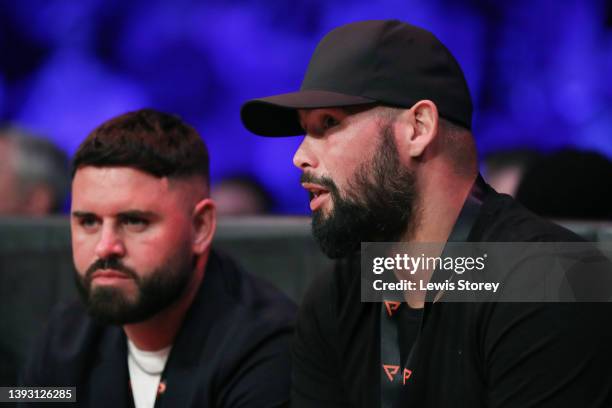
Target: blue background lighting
[(540, 72)]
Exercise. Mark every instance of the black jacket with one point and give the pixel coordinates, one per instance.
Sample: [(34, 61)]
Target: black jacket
[(231, 351)]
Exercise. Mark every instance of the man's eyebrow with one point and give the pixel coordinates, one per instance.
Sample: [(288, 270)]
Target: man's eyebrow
[(124, 214), (137, 214), (82, 214)]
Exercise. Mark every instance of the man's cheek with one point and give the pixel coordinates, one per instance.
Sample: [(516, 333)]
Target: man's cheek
[(81, 259)]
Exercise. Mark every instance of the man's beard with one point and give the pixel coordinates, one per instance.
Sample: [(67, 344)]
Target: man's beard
[(109, 305), (379, 204)]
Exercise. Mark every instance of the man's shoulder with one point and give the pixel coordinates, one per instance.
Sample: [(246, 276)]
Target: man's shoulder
[(67, 346), (333, 300), (335, 348), (503, 219), (241, 312), (70, 329), (246, 294), (235, 341), (337, 285)]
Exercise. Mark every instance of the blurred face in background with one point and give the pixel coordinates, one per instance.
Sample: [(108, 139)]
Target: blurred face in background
[(22, 196), (131, 240), (234, 199), (12, 197)]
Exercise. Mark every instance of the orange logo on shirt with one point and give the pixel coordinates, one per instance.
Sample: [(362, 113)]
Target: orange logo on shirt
[(161, 388), (407, 374), (392, 307), (391, 370)]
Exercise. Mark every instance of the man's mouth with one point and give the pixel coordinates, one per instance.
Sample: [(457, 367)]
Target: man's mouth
[(107, 276), (318, 195)]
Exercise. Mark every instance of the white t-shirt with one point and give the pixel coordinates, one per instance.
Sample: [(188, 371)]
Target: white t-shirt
[(145, 368)]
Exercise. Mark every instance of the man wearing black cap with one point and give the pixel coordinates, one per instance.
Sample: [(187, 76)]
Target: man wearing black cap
[(388, 156)]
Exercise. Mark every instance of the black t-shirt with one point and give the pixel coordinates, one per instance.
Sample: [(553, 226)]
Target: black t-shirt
[(467, 354), (409, 320)]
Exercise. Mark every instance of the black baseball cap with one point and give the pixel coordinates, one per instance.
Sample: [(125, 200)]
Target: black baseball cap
[(386, 62)]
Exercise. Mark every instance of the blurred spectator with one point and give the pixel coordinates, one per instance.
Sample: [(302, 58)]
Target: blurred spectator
[(504, 170), (241, 195), (569, 184), (34, 174)]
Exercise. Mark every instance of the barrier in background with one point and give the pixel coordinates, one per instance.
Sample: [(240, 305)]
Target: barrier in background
[(36, 270)]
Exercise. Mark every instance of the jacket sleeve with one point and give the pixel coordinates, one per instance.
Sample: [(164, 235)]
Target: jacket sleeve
[(262, 378), (315, 374)]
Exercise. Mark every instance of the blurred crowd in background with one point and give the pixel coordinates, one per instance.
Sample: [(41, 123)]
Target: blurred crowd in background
[(538, 73)]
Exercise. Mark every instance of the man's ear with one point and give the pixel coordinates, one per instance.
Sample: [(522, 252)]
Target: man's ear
[(417, 128), (204, 224)]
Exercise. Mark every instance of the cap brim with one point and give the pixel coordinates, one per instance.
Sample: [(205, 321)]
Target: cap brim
[(277, 115)]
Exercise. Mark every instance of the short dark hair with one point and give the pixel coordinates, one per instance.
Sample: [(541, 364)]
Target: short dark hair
[(154, 142)]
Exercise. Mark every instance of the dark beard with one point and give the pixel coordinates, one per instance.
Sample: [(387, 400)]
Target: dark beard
[(379, 205), (155, 292)]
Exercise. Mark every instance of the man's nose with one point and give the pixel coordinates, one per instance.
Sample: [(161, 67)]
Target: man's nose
[(110, 243), (304, 156)]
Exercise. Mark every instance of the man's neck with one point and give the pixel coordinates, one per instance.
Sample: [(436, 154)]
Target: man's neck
[(439, 211), (440, 206), (160, 330)]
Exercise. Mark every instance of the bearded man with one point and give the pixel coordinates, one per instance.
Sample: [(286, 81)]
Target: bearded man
[(388, 156), (167, 322)]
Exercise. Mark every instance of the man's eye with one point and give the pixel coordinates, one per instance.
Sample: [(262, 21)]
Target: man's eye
[(329, 122), (88, 222), (135, 223)]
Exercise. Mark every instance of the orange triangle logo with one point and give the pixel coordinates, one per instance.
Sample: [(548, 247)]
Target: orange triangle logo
[(407, 374), (392, 307), (390, 370)]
